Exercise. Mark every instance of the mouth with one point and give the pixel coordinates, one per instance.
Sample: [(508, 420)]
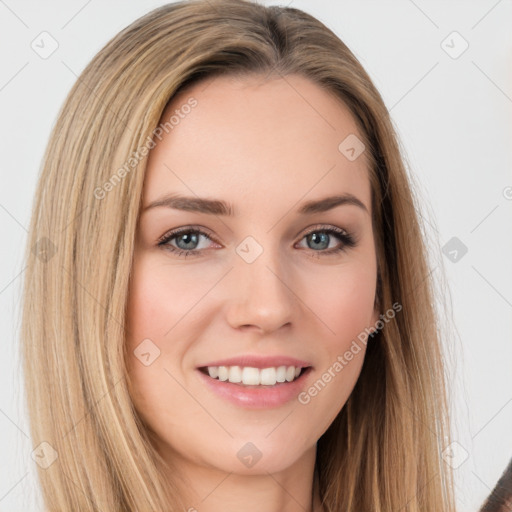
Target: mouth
[(255, 377), (256, 383)]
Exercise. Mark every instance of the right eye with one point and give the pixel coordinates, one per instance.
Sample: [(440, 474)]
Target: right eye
[(186, 240)]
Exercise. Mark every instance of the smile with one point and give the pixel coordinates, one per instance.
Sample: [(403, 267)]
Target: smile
[(250, 376), (260, 386)]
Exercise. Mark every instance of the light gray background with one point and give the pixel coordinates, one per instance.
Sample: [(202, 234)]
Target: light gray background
[(453, 116)]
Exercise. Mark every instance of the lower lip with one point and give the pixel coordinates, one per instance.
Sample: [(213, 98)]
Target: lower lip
[(256, 397)]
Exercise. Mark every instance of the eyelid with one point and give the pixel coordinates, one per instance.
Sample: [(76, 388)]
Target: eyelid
[(186, 229), (326, 227), (205, 231)]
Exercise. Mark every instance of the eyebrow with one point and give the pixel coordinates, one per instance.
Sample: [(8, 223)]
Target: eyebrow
[(219, 207)]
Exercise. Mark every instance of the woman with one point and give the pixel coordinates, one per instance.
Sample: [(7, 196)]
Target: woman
[(187, 344)]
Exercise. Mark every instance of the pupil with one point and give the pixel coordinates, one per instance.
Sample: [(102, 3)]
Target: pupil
[(315, 238), (188, 235)]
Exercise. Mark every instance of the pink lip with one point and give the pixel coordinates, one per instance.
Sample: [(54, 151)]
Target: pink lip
[(259, 362), (256, 397)]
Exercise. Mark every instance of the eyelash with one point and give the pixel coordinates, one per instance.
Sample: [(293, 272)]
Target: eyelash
[(346, 238)]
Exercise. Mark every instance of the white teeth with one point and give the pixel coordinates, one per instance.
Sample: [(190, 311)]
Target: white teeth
[(223, 372), (235, 374), (290, 373), (281, 374), (250, 376), (268, 376)]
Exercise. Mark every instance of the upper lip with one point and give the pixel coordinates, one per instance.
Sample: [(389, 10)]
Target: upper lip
[(254, 361)]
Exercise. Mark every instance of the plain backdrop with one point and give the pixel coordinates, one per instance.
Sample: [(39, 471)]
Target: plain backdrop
[(444, 71)]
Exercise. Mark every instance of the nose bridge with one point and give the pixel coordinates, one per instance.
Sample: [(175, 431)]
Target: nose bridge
[(261, 296)]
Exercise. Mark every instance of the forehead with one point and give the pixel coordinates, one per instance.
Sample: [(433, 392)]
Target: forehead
[(259, 140)]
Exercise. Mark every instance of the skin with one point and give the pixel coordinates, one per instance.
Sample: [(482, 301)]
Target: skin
[(265, 146)]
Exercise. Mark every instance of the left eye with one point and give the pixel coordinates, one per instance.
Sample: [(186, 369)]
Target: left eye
[(322, 236)]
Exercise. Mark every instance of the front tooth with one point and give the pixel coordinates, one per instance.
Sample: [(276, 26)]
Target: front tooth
[(250, 376), (235, 374), (254, 376), (290, 373), (268, 376), (281, 374), (223, 373)]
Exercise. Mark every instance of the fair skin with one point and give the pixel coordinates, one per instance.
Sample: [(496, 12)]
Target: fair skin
[(266, 147)]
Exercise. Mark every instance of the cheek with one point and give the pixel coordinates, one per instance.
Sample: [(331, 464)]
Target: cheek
[(153, 309), (160, 298), (162, 316), (343, 301)]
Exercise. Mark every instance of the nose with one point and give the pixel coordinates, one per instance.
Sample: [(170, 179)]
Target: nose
[(261, 294)]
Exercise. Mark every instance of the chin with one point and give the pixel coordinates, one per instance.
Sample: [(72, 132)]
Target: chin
[(259, 454)]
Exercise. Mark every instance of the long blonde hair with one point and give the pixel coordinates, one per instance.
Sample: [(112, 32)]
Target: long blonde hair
[(383, 451)]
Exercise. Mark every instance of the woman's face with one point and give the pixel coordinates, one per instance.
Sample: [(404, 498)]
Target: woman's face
[(270, 286)]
